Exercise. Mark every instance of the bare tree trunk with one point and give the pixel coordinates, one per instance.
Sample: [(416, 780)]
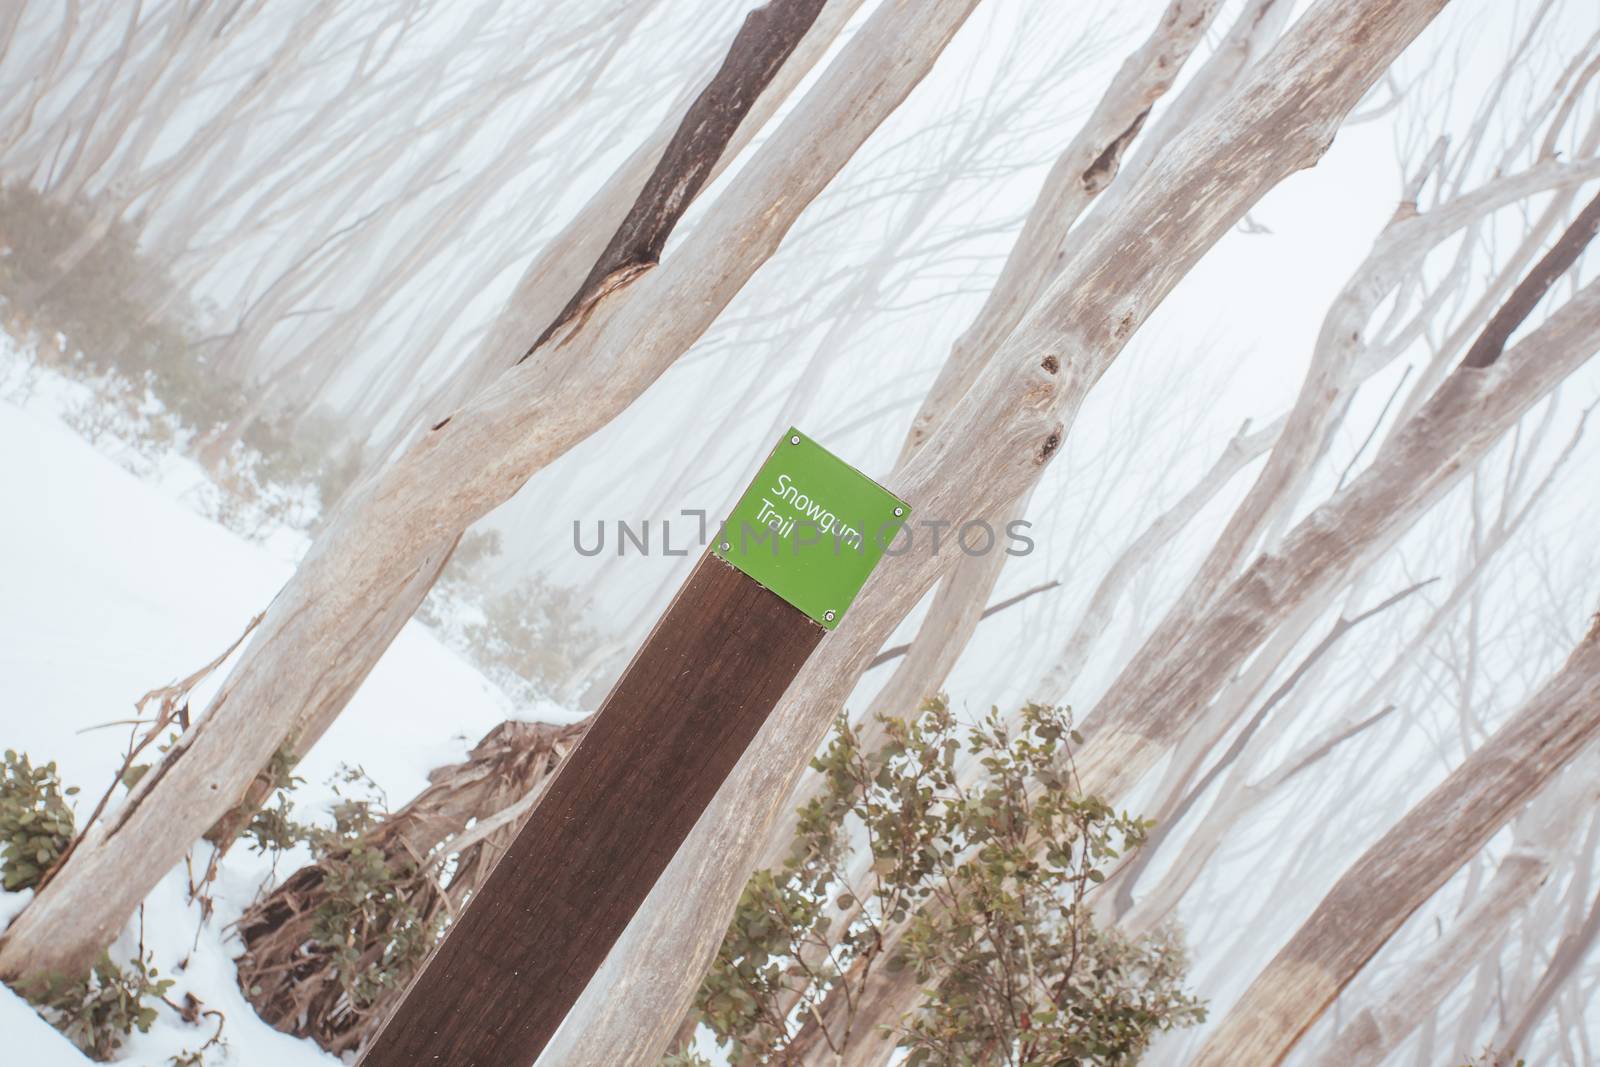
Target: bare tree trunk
[(1241, 793), (1563, 966), (1191, 785), (373, 563), (1097, 614), (102, 83), (1393, 1013), (958, 605), (1082, 171), (1154, 699), (996, 443), (683, 167), (556, 271), (1342, 357), (1403, 869), (43, 75)]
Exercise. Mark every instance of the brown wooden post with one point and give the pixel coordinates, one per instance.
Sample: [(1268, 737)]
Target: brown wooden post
[(716, 663)]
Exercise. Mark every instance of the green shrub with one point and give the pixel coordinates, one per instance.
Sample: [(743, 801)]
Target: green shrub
[(685, 1058), (35, 822), (273, 829), (364, 899), (979, 889), (1491, 1058), (100, 1010)]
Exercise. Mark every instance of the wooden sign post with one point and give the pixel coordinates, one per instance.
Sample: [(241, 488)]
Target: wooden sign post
[(789, 561)]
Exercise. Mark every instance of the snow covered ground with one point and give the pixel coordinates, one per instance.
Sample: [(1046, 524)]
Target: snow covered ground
[(115, 587)]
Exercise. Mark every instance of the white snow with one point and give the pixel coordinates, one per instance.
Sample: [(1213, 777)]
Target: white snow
[(114, 587), (31, 1041)]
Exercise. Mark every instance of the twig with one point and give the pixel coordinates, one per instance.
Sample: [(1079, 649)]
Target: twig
[(899, 650), (170, 711)]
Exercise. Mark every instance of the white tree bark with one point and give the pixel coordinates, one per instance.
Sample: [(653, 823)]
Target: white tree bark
[(1403, 869), (1243, 792), (1155, 698), (1086, 167), (1471, 411), (555, 273), (1394, 1011), (1577, 941), (1097, 614), (1342, 358), (1082, 171)]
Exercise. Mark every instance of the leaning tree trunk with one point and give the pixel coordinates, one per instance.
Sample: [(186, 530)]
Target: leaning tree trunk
[(638, 207), (359, 582), (1422, 984), (1158, 695), (1240, 793), (290, 978), (1095, 619), (554, 272), (992, 449), (1080, 173), (1398, 874), (1084, 169), (1565, 963)]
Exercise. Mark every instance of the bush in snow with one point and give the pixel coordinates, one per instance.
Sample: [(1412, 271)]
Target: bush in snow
[(35, 822), (972, 884), (94, 308), (98, 1011), (361, 922), (384, 887)]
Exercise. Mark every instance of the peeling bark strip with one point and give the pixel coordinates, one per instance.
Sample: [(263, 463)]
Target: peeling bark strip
[(1403, 869), (660, 746), (769, 34), (1526, 296)]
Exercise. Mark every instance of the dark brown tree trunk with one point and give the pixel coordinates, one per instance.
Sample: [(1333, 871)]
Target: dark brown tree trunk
[(768, 37)]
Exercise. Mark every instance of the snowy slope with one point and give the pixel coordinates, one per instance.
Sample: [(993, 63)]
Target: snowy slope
[(30, 1040), (113, 588)]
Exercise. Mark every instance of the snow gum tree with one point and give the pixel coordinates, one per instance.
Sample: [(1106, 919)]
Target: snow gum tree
[(1339, 613), (369, 569)]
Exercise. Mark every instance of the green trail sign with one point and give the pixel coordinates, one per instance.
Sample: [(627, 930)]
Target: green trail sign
[(811, 528)]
